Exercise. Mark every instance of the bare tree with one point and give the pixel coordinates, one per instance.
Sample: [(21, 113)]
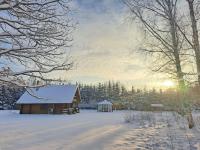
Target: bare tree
[(34, 37), (195, 43), (164, 41), (159, 19)]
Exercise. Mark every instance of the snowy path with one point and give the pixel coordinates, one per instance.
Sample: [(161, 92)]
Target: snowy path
[(80, 131)]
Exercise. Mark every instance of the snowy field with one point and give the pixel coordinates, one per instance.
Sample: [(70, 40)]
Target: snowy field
[(91, 130)]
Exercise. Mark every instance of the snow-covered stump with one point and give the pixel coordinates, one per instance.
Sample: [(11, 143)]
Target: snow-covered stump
[(129, 117), (190, 120)]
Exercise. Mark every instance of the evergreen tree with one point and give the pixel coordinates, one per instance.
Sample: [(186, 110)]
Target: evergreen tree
[(109, 89), (132, 90)]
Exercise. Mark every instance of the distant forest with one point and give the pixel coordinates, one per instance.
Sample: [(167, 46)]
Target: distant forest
[(109, 90), (139, 99), (113, 91)]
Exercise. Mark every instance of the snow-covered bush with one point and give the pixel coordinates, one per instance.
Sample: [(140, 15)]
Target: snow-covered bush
[(129, 117)]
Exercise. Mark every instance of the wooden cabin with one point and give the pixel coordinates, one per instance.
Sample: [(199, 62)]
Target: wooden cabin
[(51, 99)]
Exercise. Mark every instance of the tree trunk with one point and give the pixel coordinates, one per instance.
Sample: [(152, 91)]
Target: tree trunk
[(176, 51), (181, 82), (196, 46)]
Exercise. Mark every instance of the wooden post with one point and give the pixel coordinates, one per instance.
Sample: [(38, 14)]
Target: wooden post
[(190, 120), (21, 108)]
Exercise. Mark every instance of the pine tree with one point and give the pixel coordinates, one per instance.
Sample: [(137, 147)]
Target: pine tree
[(132, 90), (123, 91), (109, 89)]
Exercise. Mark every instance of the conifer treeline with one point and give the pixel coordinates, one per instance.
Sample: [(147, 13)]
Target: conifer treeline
[(111, 90), (141, 99)]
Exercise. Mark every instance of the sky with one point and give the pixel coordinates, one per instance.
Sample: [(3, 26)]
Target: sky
[(105, 46)]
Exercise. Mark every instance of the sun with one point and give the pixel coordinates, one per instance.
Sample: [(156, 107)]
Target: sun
[(168, 83)]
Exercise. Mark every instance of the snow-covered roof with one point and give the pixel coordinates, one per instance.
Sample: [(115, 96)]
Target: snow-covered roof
[(105, 102), (49, 94), (156, 105)]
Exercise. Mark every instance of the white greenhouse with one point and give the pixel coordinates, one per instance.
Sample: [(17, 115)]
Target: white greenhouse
[(104, 106)]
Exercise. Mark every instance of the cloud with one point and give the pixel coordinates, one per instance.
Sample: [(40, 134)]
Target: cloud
[(134, 67), (103, 45)]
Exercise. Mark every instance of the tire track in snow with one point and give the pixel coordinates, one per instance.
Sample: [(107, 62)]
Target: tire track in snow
[(42, 136), (31, 121), (36, 126), (23, 135), (30, 127), (81, 140), (93, 136)]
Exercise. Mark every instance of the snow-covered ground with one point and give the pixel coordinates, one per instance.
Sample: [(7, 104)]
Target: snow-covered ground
[(91, 130)]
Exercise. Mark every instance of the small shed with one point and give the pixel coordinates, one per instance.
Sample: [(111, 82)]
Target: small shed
[(104, 106), (157, 107)]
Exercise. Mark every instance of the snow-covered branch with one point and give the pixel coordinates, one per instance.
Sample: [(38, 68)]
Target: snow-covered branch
[(35, 35)]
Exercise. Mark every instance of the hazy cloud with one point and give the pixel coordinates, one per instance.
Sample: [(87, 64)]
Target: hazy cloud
[(103, 45)]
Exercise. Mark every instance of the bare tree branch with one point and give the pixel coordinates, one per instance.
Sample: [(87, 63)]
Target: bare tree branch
[(35, 35)]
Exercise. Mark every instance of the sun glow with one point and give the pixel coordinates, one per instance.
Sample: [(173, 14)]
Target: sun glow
[(168, 83)]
